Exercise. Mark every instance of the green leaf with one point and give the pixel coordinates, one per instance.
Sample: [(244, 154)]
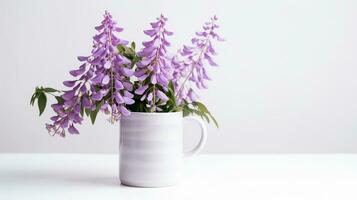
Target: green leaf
[(198, 113), (82, 111), (186, 111), (204, 109), (93, 114), (33, 98), (42, 100), (171, 86), (200, 106), (35, 95), (205, 115), (48, 89), (87, 111), (214, 120), (133, 45), (121, 49), (59, 99)]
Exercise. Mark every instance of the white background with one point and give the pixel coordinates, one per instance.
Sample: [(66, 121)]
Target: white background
[(286, 82)]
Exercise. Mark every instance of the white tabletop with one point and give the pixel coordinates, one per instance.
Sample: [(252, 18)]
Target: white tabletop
[(245, 177)]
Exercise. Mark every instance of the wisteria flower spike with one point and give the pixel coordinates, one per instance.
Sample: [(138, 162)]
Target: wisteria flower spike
[(190, 68), (154, 71)]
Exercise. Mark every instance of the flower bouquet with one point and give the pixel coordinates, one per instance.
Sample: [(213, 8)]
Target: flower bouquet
[(116, 79), (149, 91)]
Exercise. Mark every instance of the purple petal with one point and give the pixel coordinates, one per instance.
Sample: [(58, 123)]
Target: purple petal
[(49, 127), (143, 77), (70, 102), (107, 65), (68, 95), (140, 72), (192, 95), (150, 32), (121, 60), (204, 85), (205, 75), (153, 79), (76, 118), (96, 61), (99, 37), (97, 96), (57, 107), (77, 108), (83, 89), (168, 33), (98, 28), (128, 101), (206, 27), (124, 111), (220, 39), (155, 24), (147, 53), (128, 94), (156, 69), (141, 89), (79, 71), (201, 33), (162, 18), (210, 61), (64, 123), (186, 50), (118, 85), (143, 97), (69, 83), (150, 96), (127, 71), (166, 43), (128, 86), (118, 98), (93, 107), (72, 130), (97, 79), (162, 80), (149, 43), (105, 108), (118, 29), (82, 58), (211, 49), (54, 118), (161, 95), (86, 102), (105, 80), (145, 61), (99, 52)]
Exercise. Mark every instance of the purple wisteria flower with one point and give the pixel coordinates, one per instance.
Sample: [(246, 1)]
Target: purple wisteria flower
[(103, 82), (154, 71), (189, 64)]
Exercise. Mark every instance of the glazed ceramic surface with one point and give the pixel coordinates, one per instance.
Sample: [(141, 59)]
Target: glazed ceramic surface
[(151, 148)]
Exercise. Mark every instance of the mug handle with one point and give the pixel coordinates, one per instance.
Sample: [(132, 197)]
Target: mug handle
[(203, 139)]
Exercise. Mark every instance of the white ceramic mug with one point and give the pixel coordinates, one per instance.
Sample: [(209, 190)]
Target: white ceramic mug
[(150, 148)]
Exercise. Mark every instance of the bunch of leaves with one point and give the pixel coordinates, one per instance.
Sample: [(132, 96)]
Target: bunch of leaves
[(198, 108), (41, 97), (129, 53)]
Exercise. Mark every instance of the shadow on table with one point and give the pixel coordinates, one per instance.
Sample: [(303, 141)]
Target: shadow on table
[(55, 178)]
